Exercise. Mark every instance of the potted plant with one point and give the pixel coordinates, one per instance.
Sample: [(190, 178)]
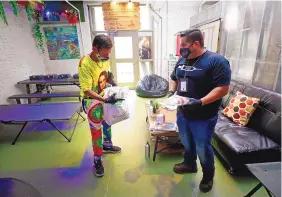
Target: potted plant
[(156, 107)]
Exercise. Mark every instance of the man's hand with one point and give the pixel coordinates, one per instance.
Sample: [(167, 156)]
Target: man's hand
[(193, 104)]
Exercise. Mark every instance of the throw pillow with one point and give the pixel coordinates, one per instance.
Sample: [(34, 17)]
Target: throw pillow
[(241, 108)]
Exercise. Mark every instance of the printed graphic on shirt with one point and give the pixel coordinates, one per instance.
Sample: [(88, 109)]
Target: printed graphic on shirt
[(93, 75), (188, 68), (102, 81)]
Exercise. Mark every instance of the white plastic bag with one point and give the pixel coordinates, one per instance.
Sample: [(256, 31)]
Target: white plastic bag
[(176, 100), (121, 92), (114, 113)]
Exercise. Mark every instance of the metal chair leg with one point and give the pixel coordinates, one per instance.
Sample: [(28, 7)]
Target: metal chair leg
[(52, 124), (256, 188), (78, 112), (17, 137), (269, 193), (75, 126)]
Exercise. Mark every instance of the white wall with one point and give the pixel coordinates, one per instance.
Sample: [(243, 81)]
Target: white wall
[(176, 17), (19, 55)]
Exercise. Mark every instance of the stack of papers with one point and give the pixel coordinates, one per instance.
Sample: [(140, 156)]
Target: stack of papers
[(165, 126)]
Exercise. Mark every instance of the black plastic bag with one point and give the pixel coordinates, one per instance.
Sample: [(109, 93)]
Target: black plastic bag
[(152, 86)]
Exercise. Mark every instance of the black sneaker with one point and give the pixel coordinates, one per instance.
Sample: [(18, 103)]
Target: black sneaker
[(112, 149), (98, 168), (206, 185), (182, 168)]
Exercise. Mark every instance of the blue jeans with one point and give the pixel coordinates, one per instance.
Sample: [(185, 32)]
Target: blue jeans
[(195, 136)]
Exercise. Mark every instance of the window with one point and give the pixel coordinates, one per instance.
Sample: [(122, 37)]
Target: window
[(123, 47)]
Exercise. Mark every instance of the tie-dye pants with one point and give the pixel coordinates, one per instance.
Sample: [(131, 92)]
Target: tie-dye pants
[(94, 110)]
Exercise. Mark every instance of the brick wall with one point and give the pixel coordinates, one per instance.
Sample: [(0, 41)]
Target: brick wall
[(19, 55)]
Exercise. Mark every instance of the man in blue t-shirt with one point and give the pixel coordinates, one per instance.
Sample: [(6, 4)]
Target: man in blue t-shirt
[(204, 77)]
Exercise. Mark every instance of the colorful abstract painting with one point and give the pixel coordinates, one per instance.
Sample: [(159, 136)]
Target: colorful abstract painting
[(62, 42)]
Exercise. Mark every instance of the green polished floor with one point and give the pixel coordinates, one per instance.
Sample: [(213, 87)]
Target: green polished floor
[(57, 168)]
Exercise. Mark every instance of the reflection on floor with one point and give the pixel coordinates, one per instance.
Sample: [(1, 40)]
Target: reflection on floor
[(57, 168)]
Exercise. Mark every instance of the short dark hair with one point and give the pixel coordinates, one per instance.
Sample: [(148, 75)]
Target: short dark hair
[(102, 42), (193, 35)]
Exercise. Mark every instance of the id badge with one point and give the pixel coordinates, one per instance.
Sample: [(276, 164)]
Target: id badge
[(184, 85)]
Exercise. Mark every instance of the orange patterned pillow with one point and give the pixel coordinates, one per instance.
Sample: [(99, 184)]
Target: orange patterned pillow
[(241, 108)]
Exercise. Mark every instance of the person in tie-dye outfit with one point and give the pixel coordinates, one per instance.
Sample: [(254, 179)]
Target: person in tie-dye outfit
[(93, 76)]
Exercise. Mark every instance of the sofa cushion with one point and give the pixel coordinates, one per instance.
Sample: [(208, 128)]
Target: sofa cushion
[(267, 117), (238, 160), (242, 139), (241, 108)]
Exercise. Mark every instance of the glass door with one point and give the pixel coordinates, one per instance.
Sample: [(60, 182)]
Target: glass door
[(125, 58)]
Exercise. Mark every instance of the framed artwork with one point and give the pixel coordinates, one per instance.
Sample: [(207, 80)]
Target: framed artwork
[(62, 42)]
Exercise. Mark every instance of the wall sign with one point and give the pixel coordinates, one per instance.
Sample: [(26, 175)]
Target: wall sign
[(121, 16)]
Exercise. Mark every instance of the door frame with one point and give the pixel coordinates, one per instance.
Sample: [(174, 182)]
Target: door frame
[(212, 37)]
